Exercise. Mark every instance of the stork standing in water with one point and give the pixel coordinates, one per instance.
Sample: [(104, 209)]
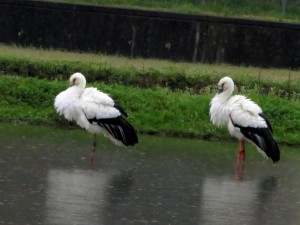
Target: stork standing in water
[(244, 119), (96, 112)]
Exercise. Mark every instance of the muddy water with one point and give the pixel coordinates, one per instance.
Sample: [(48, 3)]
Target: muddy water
[(45, 179)]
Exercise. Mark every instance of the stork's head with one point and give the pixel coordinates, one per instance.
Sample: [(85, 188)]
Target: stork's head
[(77, 79), (226, 86)]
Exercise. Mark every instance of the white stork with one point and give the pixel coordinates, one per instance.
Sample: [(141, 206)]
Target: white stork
[(96, 112), (244, 119)]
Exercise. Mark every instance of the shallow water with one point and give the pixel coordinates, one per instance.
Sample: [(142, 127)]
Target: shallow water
[(45, 179)]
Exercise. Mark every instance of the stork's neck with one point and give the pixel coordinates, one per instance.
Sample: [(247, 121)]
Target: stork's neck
[(82, 85), (77, 89), (224, 96)]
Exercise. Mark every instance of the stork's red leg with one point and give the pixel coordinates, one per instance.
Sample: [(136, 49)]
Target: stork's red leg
[(240, 163), (242, 154), (93, 151)]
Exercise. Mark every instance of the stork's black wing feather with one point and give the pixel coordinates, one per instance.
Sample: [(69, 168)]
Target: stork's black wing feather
[(122, 111), (262, 115), (262, 138), (118, 128)]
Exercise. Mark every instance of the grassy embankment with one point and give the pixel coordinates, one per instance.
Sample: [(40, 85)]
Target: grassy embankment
[(254, 9), (160, 96)]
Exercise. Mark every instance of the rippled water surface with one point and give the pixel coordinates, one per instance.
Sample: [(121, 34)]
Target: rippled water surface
[(45, 179)]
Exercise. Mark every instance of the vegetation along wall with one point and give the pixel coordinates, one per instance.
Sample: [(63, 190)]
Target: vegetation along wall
[(139, 33)]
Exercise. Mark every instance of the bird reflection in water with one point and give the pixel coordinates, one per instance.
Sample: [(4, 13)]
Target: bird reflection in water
[(239, 169), (84, 196)]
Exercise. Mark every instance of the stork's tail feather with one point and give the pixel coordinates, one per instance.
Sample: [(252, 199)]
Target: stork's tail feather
[(263, 139), (271, 148), (119, 129)]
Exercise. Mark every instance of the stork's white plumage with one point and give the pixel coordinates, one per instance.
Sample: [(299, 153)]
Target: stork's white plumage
[(94, 111), (244, 120)]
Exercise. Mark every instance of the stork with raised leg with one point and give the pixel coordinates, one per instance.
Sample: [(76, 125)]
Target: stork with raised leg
[(96, 112), (244, 119)]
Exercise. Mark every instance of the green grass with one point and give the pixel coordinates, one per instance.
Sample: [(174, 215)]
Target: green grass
[(253, 9), (161, 97), (143, 73), (153, 110), (139, 64)]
